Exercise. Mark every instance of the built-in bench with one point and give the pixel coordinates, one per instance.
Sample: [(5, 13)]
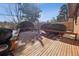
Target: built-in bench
[(63, 32)]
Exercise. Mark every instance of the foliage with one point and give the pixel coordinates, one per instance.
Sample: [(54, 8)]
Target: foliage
[(59, 27), (25, 24), (62, 13), (52, 21), (30, 12)]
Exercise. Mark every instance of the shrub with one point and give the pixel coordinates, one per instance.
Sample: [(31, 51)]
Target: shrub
[(58, 27), (24, 26)]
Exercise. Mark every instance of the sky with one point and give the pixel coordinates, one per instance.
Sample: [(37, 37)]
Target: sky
[(49, 10)]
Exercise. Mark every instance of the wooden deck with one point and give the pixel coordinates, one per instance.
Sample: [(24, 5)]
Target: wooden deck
[(58, 47)]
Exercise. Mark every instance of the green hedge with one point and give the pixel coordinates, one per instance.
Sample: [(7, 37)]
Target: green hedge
[(25, 24), (59, 27)]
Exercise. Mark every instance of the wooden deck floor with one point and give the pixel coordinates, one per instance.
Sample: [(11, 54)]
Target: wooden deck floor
[(59, 47)]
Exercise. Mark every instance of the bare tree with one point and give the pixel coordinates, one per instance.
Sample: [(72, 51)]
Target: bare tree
[(30, 11), (13, 12)]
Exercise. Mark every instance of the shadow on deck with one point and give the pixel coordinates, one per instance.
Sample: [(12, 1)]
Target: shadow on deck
[(67, 40), (52, 47)]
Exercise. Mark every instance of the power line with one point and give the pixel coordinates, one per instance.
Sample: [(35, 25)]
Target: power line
[(7, 15)]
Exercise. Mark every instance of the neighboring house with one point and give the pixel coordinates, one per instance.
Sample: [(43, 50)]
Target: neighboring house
[(73, 14)]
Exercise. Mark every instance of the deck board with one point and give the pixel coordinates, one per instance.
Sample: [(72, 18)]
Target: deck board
[(62, 47)]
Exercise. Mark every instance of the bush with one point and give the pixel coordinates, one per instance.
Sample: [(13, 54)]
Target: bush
[(58, 27), (24, 26)]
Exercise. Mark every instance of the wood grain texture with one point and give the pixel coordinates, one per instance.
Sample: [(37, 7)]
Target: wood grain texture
[(59, 47)]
